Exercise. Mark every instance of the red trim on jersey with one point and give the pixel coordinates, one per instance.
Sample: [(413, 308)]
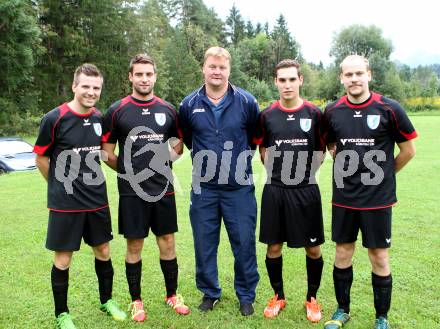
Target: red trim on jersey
[(131, 100), (259, 140), (124, 101), (372, 208), (105, 137), (63, 110), (285, 109), (82, 210), (89, 113), (40, 150), (409, 136), (174, 112), (374, 97), (170, 193)]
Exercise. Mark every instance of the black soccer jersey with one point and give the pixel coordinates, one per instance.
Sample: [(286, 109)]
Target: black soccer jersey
[(292, 139), (142, 130), (365, 136), (72, 141)]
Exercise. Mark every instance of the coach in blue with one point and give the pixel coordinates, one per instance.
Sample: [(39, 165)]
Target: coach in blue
[(218, 122)]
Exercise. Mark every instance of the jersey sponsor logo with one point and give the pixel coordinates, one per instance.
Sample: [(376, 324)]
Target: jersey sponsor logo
[(305, 124), (290, 117), (86, 122), (98, 129), (358, 141), (146, 111), (357, 114), (294, 142), (91, 149), (198, 111), (149, 137), (160, 118), (373, 121)]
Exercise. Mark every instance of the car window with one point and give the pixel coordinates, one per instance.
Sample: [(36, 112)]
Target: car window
[(14, 147)]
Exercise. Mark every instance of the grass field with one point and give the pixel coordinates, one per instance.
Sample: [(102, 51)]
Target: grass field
[(26, 297)]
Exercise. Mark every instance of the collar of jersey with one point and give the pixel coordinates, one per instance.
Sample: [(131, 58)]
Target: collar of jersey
[(138, 102), (285, 109), (374, 97), (67, 108)]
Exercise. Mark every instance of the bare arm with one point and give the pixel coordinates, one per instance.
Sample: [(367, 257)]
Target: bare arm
[(406, 153), (262, 150), (42, 163), (176, 148), (111, 159)]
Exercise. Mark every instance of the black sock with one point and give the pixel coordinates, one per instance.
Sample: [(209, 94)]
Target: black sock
[(134, 273), (314, 273), (342, 279), (170, 272), (274, 268), (60, 285), (104, 272), (382, 287)]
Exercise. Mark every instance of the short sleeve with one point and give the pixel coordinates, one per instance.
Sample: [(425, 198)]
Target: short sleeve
[(403, 130), (46, 135), (109, 133)]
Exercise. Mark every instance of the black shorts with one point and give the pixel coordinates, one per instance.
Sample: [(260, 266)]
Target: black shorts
[(65, 229), (136, 216), (292, 215), (375, 226)]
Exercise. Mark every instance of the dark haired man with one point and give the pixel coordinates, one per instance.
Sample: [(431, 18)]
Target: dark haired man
[(70, 141), (144, 125), (291, 150)]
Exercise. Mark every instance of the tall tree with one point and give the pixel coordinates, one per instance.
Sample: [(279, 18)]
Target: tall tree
[(284, 45), (235, 26), (20, 46), (361, 40)]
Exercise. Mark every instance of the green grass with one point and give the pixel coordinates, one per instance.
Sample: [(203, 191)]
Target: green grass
[(26, 297)]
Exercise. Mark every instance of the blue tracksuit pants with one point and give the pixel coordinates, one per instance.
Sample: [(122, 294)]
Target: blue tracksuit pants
[(238, 209)]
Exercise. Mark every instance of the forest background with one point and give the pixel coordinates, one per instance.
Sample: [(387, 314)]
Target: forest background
[(43, 41)]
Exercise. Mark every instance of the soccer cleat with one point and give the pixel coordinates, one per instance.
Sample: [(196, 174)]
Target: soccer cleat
[(177, 303), (111, 308), (208, 304), (381, 323), (137, 311), (64, 321), (339, 319), (313, 310), (274, 306)]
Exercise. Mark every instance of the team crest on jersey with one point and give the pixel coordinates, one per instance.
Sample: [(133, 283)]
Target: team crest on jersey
[(373, 121), (98, 129), (305, 124), (160, 118)]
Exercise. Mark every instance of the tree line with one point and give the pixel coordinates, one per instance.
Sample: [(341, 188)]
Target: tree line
[(43, 41)]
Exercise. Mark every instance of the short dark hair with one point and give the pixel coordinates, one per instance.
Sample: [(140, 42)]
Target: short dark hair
[(87, 69), (285, 63), (141, 59)]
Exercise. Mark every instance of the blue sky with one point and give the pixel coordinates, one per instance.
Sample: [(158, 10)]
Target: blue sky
[(412, 27)]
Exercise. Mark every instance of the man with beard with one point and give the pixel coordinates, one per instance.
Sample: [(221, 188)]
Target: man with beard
[(143, 125), (361, 131), (70, 141)]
